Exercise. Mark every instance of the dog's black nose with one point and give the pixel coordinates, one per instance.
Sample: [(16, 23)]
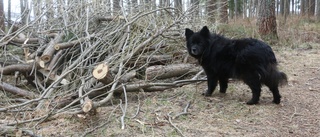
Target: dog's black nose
[(194, 50)]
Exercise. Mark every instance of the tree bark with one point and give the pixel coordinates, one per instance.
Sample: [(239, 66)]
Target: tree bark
[(17, 91), (2, 17), (267, 25), (50, 50), (9, 11), (223, 12), (312, 7), (318, 10), (23, 68), (168, 71), (211, 10)]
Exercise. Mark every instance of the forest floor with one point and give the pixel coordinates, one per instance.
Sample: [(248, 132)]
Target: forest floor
[(161, 113), (219, 115), (157, 113)]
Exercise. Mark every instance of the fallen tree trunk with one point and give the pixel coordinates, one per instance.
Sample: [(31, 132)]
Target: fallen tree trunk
[(168, 71), (50, 50), (16, 91), (133, 87), (70, 44), (9, 70)]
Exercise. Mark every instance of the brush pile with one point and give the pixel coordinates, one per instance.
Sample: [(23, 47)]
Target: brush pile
[(79, 59)]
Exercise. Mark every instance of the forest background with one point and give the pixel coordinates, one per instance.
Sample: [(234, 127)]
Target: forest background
[(120, 68)]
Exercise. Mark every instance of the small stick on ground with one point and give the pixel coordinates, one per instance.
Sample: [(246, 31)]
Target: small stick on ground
[(174, 126), (185, 111), (125, 106), (294, 114), (138, 109)]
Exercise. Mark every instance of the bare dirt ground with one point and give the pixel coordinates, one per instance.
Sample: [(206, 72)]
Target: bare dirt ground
[(156, 113)]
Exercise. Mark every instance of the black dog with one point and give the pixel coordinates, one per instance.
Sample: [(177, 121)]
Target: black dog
[(249, 60)]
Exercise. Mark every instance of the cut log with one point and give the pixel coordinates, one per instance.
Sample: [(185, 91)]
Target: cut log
[(50, 50), (128, 76), (102, 74), (70, 44), (9, 70), (151, 60), (168, 71), (87, 105), (16, 91), (25, 40), (54, 60)]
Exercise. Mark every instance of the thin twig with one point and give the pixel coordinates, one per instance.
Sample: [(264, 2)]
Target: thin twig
[(138, 109), (294, 114), (124, 110), (185, 111), (174, 126)]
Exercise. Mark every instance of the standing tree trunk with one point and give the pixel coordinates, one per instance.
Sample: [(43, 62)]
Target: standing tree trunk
[(256, 9), (223, 12), (286, 7), (25, 11), (312, 7), (303, 8), (178, 4), (286, 10), (195, 3), (318, 10), (282, 7), (293, 7), (211, 10), (2, 17), (116, 6), (267, 25), (9, 11), (231, 8), (236, 8)]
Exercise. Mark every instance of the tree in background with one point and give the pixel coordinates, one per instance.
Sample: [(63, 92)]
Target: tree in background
[(2, 17), (267, 25), (311, 8), (318, 10), (116, 6), (223, 12), (9, 10), (238, 8), (178, 4), (195, 3), (211, 7)]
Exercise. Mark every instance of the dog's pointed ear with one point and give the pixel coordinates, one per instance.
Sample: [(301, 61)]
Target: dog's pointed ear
[(188, 33), (205, 31)]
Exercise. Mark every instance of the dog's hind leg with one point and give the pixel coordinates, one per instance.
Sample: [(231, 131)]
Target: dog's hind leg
[(256, 91), (275, 92), (255, 85), (223, 83), (276, 95)]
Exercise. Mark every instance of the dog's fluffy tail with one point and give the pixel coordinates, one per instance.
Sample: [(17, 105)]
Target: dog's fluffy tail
[(282, 78), (276, 77)]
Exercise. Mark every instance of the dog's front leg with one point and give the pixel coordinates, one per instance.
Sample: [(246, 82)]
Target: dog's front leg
[(212, 84)]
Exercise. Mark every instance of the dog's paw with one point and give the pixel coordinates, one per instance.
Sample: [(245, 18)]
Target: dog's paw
[(252, 102), (206, 93), (276, 101)]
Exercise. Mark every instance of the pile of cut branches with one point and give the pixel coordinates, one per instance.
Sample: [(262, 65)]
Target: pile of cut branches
[(77, 61)]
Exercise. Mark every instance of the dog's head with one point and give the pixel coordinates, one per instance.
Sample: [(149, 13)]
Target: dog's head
[(197, 42)]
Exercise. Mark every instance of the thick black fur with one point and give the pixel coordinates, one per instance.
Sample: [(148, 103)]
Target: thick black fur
[(249, 60)]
